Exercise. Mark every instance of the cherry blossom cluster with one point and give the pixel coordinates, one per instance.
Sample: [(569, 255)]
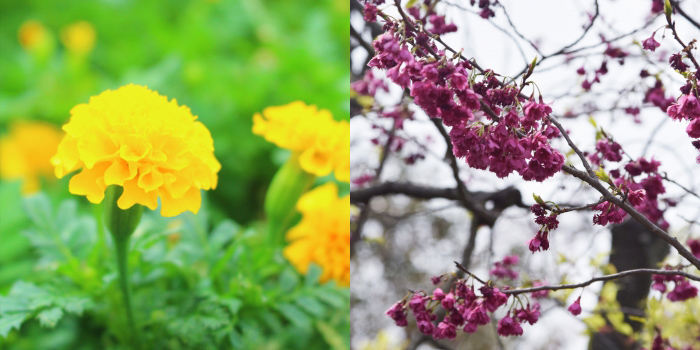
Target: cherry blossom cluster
[(682, 289), (548, 222), (514, 138), (464, 310), (504, 268), (688, 108), (368, 86)]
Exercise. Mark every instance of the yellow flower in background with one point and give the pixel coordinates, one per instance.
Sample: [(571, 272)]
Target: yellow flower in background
[(135, 138), (79, 37), (323, 144), (33, 35), (322, 236), (25, 153)]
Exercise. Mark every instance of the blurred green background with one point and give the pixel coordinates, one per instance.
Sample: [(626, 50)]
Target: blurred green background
[(225, 60)]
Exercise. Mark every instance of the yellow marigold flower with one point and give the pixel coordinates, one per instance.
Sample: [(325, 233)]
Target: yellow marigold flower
[(79, 37), (32, 34), (323, 234), (25, 153), (323, 144), (135, 138)]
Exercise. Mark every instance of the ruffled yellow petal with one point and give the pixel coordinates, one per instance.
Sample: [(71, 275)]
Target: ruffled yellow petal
[(133, 194), (173, 206), (90, 183), (139, 140), (311, 132), (120, 171), (322, 236)]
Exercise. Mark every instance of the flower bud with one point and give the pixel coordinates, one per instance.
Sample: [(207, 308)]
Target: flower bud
[(287, 186), (120, 223)]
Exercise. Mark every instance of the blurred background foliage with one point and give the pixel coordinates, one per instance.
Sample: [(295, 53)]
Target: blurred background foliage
[(225, 60)]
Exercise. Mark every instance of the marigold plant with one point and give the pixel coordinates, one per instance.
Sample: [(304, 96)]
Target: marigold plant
[(135, 138), (25, 153), (322, 236), (323, 144)]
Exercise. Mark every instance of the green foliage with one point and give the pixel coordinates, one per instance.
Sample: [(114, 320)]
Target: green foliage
[(194, 287)]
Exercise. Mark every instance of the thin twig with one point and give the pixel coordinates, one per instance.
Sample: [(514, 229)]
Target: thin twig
[(604, 278)]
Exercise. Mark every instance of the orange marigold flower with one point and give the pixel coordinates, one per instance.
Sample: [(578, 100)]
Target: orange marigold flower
[(25, 153), (322, 236), (323, 144), (135, 138)]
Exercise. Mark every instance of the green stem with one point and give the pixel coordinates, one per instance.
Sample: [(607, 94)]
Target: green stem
[(122, 248), (122, 224)]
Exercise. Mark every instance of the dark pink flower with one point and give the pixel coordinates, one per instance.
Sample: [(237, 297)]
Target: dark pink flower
[(370, 12), (398, 314), (529, 314), (493, 298), (477, 316), (650, 43), (507, 327), (694, 245), (683, 291), (575, 308)]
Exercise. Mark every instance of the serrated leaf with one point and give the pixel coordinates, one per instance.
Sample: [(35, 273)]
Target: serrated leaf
[(223, 234), (38, 208), (49, 317), (232, 304), (288, 280), (75, 305), (10, 321), (331, 298), (294, 315), (331, 336), (311, 305)]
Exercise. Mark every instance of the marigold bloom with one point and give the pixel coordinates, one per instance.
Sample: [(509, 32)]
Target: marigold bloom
[(135, 138), (322, 142), (79, 37), (323, 234), (25, 153)]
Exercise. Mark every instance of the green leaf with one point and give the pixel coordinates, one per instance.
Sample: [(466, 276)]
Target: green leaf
[(49, 317), (313, 274), (331, 336), (38, 208), (311, 306), (332, 298), (10, 321), (288, 280), (592, 121), (294, 315), (602, 175), (232, 304), (538, 199), (411, 3)]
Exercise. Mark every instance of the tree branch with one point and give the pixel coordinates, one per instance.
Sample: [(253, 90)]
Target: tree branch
[(603, 278)]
